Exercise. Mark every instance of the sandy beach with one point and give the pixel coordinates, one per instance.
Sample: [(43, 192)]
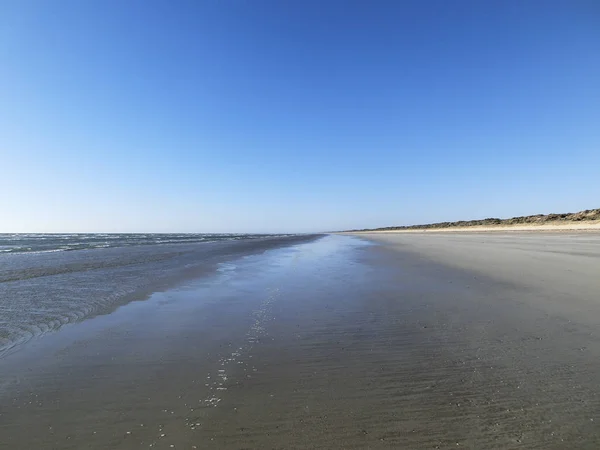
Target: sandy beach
[(461, 340)]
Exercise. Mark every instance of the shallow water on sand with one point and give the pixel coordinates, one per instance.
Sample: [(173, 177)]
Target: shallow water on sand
[(335, 343), (41, 291)]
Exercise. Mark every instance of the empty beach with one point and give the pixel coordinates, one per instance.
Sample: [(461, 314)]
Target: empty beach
[(474, 340)]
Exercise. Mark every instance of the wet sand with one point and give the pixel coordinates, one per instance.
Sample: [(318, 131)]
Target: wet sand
[(383, 341)]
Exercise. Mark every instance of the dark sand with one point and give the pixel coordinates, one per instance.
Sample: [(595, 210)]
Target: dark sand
[(433, 341)]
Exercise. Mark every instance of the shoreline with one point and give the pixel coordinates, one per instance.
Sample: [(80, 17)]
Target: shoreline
[(43, 292)]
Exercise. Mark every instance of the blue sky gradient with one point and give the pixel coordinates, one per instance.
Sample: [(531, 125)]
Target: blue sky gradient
[(266, 116)]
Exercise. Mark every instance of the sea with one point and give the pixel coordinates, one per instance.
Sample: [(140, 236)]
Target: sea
[(41, 243), (48, 281)]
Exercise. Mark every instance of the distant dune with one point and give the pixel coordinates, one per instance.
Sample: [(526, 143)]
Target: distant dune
[(588, 219)]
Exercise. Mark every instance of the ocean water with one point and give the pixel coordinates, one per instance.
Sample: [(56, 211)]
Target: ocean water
[(37, 243), (50, 280)]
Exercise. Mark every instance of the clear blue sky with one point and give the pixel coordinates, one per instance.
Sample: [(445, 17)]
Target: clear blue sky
[(252, 115)]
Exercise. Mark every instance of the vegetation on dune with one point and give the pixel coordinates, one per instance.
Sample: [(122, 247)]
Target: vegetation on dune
[(538, 219)]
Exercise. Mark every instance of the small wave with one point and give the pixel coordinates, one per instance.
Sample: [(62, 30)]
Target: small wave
[(53, 250)]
